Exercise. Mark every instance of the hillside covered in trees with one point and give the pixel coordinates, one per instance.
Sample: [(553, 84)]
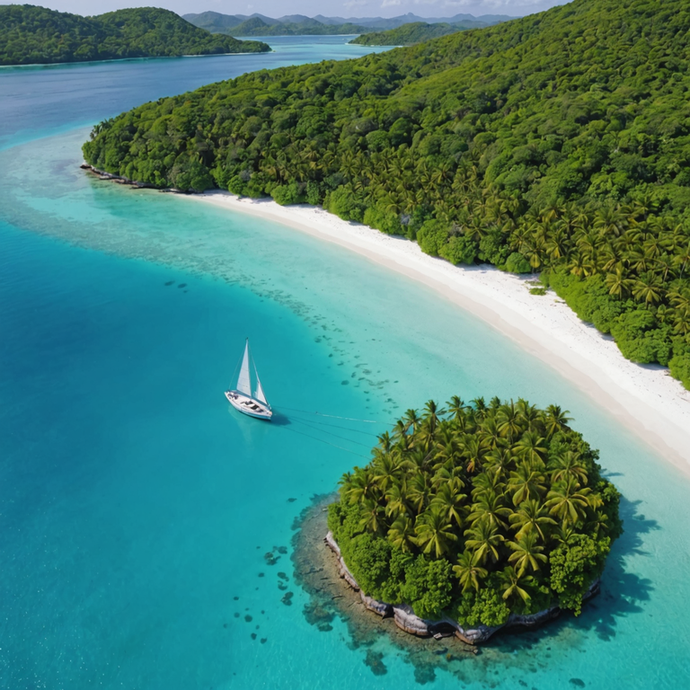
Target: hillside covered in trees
[(557, 143), (407, 35), (255, 26), (36, 35), (216, 22), (478, 512)]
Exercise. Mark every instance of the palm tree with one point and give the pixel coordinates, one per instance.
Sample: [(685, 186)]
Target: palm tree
[(400, 430), (402, 533), (531, 516), (433, 414), (599, 524), (514, 585), (526, 482), (469, 571), (412, 420), (484, 541), (456, 407), (359, 486), (499, 459), (488, 482), (568, 501), (530, 447), (565, 464), (434, 533), (398, 500), (385, 470), (618, 284), (473, 452), (373, 520), (448, 503), (556, 419), (489, 508), (420, 491), (527, 553), (385, 442), (490, 435), (509, 421), (647, 288)]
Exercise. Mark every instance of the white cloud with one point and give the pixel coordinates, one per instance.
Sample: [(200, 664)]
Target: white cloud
[(390, 3)]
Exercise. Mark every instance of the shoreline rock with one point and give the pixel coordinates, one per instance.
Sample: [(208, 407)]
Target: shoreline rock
[(135, 184), (407, 621)]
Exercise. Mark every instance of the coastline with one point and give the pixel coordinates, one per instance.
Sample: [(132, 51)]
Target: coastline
[(644, 398), (408, 622)]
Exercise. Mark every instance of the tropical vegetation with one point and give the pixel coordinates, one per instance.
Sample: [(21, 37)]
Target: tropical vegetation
[(36, 35), (477, 512), (216, 22), (256, 26), (557, 143), (407, 34)]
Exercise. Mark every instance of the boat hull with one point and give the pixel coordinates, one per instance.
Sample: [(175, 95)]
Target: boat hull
[(249, 406)]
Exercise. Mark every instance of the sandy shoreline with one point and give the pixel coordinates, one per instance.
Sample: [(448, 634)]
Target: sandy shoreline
[(645, 399)]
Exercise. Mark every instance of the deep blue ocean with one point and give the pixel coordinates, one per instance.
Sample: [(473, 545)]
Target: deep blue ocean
[(136, 506)]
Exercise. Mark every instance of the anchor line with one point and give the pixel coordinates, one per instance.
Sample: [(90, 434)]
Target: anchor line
[(344, 438), (316, 438), (337, 426), (333, 416)]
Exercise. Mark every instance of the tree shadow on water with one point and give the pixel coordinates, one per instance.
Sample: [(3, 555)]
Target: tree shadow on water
[(621, 595), (622, 591)]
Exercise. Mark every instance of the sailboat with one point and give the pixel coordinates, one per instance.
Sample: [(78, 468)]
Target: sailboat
[(241, 397)]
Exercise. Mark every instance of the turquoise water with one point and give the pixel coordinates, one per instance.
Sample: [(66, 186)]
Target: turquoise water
[(136, 507)]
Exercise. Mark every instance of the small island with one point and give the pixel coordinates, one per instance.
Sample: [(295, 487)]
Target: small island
[(36, 35), (476, 518)]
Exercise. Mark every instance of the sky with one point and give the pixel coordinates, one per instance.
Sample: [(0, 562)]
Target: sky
[(331, 8)]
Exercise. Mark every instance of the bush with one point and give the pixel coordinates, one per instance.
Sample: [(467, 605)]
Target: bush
[(517, 263), (385, 221), (639, 338), (574, 566), (680, 368), (459, 250), (345, 204), (287, 194), (432, 236)]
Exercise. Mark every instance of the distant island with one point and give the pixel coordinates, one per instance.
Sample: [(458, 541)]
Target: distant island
[(300, 25), (36, 35), (260, 26), (476, 517), (531, 145), (407, 34)]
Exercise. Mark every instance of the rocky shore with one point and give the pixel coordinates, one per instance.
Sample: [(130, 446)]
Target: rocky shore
[(119, 179), (407, 621)]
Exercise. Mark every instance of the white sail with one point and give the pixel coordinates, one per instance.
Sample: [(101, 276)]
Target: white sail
[(259, 392), (243, 383)]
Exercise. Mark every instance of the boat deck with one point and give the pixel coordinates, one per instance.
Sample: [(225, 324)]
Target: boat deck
[(248, 405)]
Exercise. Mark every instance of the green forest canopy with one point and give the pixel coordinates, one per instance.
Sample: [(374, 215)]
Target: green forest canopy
[(558, 143), (255, 26), (36, 35), (478, 512), (407, 34)]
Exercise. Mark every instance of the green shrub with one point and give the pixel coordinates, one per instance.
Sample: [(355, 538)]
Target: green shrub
[(517, 263)]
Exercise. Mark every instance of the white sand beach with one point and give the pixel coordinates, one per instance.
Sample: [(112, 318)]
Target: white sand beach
[(646, 399)]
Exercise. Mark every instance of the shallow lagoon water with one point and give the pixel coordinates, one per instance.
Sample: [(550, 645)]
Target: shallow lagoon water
[(137, 508)]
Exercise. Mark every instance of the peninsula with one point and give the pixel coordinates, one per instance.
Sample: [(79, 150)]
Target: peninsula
[(476, 517), (36, 35), (536, 145)]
